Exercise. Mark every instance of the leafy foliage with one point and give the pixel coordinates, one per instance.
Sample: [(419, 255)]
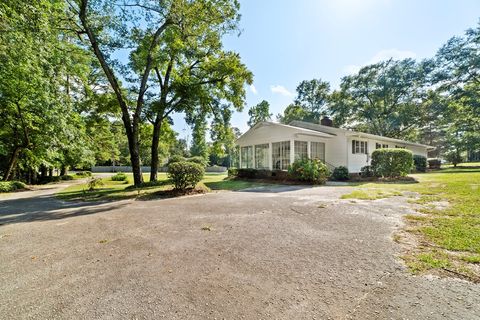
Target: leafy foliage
[(340, 173), (454, 157), (119, 176), (94, 183), (309, 170), (259, 113), (10, 186), (185, 174), (420, 163), (392, 163)]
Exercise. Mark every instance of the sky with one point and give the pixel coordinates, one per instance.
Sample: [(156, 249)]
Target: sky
[(284, 42)]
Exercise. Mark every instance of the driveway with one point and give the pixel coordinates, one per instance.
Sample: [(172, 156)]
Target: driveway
[(283, 253)]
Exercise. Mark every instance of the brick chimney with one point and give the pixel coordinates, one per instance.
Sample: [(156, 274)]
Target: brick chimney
[(326, 121)]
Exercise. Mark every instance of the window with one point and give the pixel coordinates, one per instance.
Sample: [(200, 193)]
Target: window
[(381, 146), (399, 147), (317, 150), (301, 150), (247, 157), (281, 155), (359, 147), (261, 156)]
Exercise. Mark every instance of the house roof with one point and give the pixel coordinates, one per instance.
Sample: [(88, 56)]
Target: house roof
[(351, 133), (299, 130)]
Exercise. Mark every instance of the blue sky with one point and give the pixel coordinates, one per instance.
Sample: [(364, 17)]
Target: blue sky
[(285, 42)]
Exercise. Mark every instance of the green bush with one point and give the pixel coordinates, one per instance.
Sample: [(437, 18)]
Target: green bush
[(10, 186), (309, 170), (175, 158), (340, 173), (185, 174), (366, 171), (392, 163), (420, 163), (200, 160), (66, 177), (434, 163), (232, 172), (247, 173), (119, 176)]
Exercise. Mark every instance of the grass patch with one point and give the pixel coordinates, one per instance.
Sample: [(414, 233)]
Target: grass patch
[(447, 228), (118, 190), (371, 194)]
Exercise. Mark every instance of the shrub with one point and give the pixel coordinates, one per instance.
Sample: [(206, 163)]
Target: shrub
[(66, 177), (200, 160), (454, 157), (340, 173), (420, 163), (175, 158), (309, 170), (84, 173), (119, 176), (366, 171), (10, 186), (247, 173), (232, 172), (94, 183), (392, 163), (185, 174), (434, 163)]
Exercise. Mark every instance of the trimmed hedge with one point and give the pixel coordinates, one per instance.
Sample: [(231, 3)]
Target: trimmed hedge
[(420, 163), (119, 176), (391, 162), (66, 177), (340, 174), (309, 170), (184, 174), (10, 186)]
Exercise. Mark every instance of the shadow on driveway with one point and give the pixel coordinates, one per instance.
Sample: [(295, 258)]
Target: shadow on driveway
[(47, 207)]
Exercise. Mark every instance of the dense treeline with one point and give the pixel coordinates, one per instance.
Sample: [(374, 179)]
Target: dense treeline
[(434, 101), (87, 82)]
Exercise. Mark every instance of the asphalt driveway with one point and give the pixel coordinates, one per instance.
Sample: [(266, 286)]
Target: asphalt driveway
[(283, 253)]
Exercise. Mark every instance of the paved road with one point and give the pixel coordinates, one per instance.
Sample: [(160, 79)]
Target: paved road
[(284, 253)]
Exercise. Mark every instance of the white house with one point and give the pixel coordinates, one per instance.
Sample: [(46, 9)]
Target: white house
[(274, 146)]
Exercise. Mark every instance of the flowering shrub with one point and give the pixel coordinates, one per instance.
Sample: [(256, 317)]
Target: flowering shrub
[(309, 170)]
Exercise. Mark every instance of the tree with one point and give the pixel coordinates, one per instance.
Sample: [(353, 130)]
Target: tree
[(193, 72), (311, 102), (384, 98), (259, 113), (223, 135), (199, 146)]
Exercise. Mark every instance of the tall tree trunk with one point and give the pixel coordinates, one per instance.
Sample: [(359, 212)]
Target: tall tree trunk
[(63, 170), (133, 147), (12, 163), (50, 172), (155, 140)]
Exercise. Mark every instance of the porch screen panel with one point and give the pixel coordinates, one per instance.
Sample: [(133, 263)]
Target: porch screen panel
[(247, 157), (261, 156), (301, 150), (317, 151), (281, 155)]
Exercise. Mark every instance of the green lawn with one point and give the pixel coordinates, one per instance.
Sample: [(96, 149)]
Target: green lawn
[(117, 190), (448, 219)]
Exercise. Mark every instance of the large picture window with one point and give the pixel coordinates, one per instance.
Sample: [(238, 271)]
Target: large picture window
[(261, 156), (317, 151), (247, 157), (359, 147), (301, 150), (281, 155)]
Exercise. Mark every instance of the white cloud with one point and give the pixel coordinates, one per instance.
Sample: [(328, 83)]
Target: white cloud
[(253, 89), (281, 90), (381, 56)]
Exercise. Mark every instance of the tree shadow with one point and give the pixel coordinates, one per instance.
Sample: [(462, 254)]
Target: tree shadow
[(48, 207)]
